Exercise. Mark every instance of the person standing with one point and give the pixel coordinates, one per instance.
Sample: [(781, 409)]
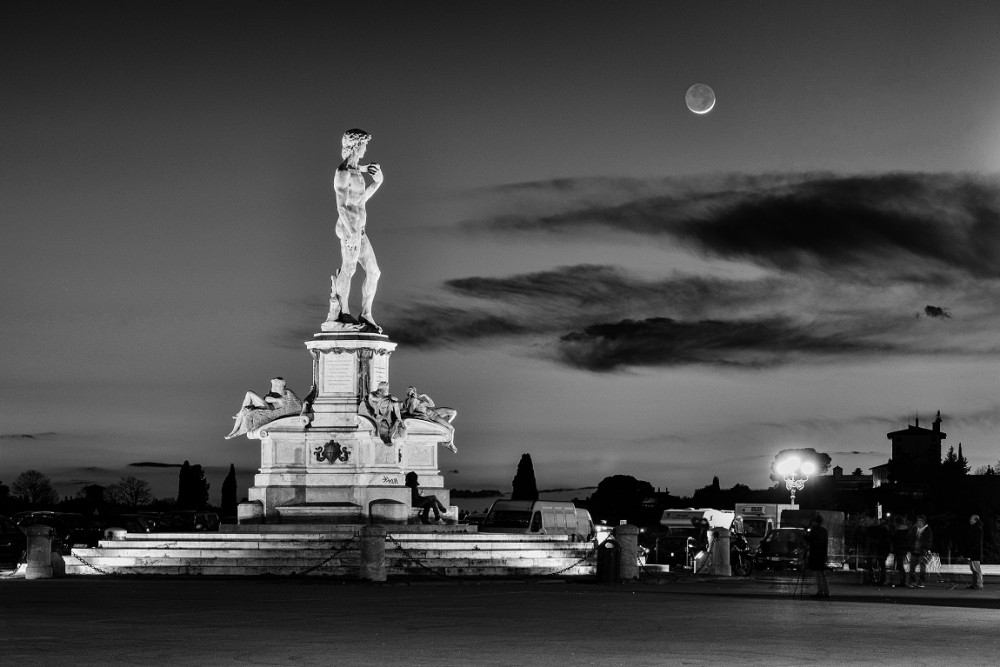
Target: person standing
[(816, 544), (900, 547), (921, 539), (881, 544), (974, 551)]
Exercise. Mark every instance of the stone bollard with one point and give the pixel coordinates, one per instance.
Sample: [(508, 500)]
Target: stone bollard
[(628, 540), (372, 553), (251, 511), (720, 565), (39, 552)]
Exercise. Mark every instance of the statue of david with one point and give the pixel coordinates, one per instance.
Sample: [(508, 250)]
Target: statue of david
[(352, 193)]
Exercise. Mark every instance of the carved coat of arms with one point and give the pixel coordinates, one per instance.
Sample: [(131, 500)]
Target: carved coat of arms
[(332, 452)]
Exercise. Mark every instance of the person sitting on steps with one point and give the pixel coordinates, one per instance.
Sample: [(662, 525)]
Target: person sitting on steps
[(426, 503)]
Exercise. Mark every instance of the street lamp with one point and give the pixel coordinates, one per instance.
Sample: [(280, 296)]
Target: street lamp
[(796, 472)]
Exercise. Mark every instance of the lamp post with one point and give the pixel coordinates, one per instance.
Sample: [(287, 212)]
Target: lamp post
[(796, 472)]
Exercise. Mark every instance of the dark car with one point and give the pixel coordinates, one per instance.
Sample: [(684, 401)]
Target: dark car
[(13, 542), (71, 530), (781, 549), (186, 521), (675, 546)]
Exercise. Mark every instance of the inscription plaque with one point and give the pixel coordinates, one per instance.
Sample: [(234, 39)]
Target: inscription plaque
[(338, 373), (380, 370)]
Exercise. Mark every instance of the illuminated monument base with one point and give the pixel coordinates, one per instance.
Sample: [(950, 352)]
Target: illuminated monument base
[(345, 457)]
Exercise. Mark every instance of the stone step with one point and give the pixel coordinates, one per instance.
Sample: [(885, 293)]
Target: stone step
[(344, 534), (339, 566), (334, 553), (270, 552), (101, 557), (320, 545), (334, 571)]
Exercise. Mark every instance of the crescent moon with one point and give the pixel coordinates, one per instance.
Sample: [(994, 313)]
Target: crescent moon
[(700, 98)]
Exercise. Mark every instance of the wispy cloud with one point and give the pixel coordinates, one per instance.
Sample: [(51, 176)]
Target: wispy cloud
[(153, 464), (666, 342), (27, 436)]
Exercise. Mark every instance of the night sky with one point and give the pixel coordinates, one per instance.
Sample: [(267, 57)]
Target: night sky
[(583, 268)]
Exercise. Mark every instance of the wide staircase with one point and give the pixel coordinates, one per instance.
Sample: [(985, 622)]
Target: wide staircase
[(335, 551)]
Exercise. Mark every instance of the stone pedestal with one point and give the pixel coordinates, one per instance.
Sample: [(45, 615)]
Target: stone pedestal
[(720, 565), (628, 539), (330, 464), (39, 552)]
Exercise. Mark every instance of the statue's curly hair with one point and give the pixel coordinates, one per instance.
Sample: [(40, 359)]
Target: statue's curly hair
[(352, 139)]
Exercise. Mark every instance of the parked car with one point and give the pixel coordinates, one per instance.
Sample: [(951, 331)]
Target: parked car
[(186, 521), (71, 530), (132, 523), (13, 542), (781, 549), (548, 517)]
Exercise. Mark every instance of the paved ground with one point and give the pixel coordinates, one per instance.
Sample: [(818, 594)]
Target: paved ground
[(191, 621)]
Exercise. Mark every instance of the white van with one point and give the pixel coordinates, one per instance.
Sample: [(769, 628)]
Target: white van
[(540, 517)]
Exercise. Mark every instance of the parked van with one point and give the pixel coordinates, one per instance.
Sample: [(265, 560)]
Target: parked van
[(541, 517)]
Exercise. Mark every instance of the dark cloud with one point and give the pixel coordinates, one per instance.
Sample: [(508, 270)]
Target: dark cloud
[(666, 342), (27, 436), (885, 222), (153, 464), (935, 311)]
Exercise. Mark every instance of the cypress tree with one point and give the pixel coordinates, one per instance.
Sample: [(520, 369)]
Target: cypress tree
[(184, 486), (228, 503), (524, 486)]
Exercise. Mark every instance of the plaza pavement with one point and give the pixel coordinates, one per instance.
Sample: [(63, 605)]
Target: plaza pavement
[(654, 621)]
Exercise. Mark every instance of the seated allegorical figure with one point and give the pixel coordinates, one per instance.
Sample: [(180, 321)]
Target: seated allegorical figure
[(420, 406), (255, 411), (383, 409)]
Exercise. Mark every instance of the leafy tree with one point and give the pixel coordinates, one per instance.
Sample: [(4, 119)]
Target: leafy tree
[(228, 502), (129, 492), (35, 488), (524, 486), (619, 497)]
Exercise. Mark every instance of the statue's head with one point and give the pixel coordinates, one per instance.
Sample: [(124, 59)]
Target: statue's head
[(354, 141), (382, 389), (411, 391), (278, 384)]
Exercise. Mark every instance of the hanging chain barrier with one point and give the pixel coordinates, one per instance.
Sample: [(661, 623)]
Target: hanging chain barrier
[(329, 558), (95, 568), (23, 561), (308, 570), (413, 559), (409, 556), (416, 561)]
